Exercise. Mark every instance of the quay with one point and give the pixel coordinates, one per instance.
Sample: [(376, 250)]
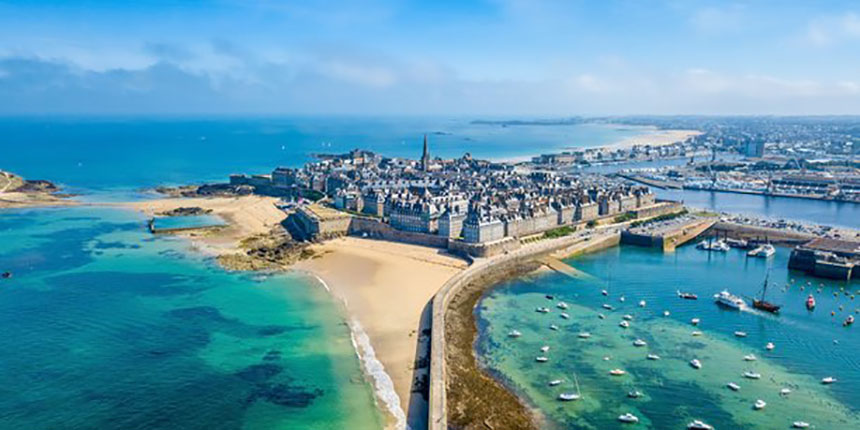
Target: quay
[(667, 235), (827, 258)]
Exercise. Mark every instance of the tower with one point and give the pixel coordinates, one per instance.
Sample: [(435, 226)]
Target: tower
[(425, 156)]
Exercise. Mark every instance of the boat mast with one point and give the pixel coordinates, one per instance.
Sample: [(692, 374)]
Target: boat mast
[(764, 290), (575, 381)]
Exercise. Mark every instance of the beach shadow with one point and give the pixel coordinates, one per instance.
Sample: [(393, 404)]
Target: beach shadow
[(416, 415)]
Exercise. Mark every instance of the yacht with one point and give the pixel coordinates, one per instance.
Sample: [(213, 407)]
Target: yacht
[(621, 299), (653, 357), (607, 306), (713, 246), (555, 382), (562, 305), (828, 380), (628, 317), (759, 404), (763, 251), (687, 296), (696, 333), (740, 334), (543, 310), (635, 394), (750, 357), (541, 359), (810, 302), (641, 303), (617, 372), (800, 424), (699, 425), (628, 418), (601, 316), (696, 364), (639, 342), (514, 334), (624, 324), (770, 346), (785, 391), (544, 348), (695, 321), (564, 315), (734, 387), (584, 335), (665, 313), (553, 327), (729, 300), (568, 397), (604, 292), (752, 375)]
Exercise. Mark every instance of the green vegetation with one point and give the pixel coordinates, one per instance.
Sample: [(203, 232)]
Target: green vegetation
[(559, 232), (312, 194), (664, 217), (627, 216), (591, 224)]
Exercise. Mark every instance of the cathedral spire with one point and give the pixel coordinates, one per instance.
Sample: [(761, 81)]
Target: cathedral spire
[(425, 156)]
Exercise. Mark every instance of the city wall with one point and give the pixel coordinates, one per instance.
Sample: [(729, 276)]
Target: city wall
[(438, 412), (377, 229)]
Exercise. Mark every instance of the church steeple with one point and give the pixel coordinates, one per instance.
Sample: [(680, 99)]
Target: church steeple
[(425, 156)]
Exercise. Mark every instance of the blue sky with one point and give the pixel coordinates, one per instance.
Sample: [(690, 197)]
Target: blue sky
[(490, 57)]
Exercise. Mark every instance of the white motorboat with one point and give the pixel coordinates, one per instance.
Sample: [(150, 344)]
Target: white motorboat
[(716, 246), (542, 310), (665, 313), (555, 382), (635, 394), (734, 387), (653, 357), (621, 299), (770, 346), (617, 372), (568, 397), (641, 303), (763, 251), (695, 321), (639, 342), (541, 359), (514, 334), (553, 327), (740, 334), (800, 424), (729, 300), (544, 348), (628, 418), (699, 425), (750, 357), (562, 305), (601, 316), (607, 306), (564, 315), (584, 335), (784, 391), (696, 333), (604, 292), (696, 364), (759, 404), (828, 380), (628, 317), (624, 324), (752, 375)]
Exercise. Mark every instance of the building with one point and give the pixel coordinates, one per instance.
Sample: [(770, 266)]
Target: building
[(754, 148), (425, 157)]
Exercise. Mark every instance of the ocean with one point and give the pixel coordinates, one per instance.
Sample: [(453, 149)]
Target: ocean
[(808, 345)]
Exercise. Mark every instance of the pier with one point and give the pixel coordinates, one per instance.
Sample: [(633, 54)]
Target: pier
[(563, 268), (667, 236)]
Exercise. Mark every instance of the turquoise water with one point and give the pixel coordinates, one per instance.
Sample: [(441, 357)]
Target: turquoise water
[(111, 153), (809, 345), (107, 327), (191, 221)]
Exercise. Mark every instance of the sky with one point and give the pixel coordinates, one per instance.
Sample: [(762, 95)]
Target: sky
[(467, 57)]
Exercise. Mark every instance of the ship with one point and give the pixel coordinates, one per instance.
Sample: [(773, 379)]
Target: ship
[(729, 300), (763, 251), (762, 304)]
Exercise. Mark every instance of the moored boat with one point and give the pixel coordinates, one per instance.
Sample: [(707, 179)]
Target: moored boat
[(562, 305), (770, 346), (542, 310), (584, 335), (800, 424), (568, 397), (564, 315), (635, 394), (641, 303), (653, 357), (763, 251), (514, 334), (695, 321), (555, 382), (687, 296), (699, 425), (695, 364), (828, 380), (848, 321), (617, 372), (541, 359), (734, 387), (750, 357), (607, 306), (553, 327), (628, 418), (759, 404), (810, 302), (544, 348), (639, 342), (624, 324), (628, 317), (6, 275), (740, 334), (752, 375)]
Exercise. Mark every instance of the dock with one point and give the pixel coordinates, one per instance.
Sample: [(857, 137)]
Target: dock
[(667, 236), (563, 268)]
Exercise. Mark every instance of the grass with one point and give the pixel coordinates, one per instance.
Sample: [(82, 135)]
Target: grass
[(628, 216), (559, 232)]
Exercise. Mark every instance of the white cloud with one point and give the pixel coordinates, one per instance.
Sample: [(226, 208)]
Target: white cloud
[(829, 30)]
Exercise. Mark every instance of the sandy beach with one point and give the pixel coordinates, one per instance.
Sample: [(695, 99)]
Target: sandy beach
[(655, 138), (387, 287), (245, 216)]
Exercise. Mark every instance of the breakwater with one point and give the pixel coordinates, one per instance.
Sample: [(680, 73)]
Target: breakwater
[(438, 409)]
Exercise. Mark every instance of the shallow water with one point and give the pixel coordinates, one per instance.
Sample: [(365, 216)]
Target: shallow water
[(105, 326), (673, 392)]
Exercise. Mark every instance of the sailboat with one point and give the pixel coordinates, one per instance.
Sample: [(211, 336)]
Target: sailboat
[(762, 304), (567, 397)]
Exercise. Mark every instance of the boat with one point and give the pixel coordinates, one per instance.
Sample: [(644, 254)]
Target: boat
[(624, 324), (654, 357), (604, 292), (601, 316), (621, 299), (628, 317), (544, 348), (729, 300), (607, 306), (695, 321), (562, 305), (550, 297), (639, 342), (784, 391), (541, 359), (828, 380), (617, 372), (750, 357), (713, 246), (564, 315), (752, 375), (848, 321), (759, 404), (810, 302), (641, 303), (6, 275), (553, 327), (699, 425), (734, 387), (696, 333), (555, 382), (568, 397), (635, 394), (762, 251), (687, 296), (696, 364), (800, 424), (542, 310), (736, 243), (514, 334), (761, 304), (628, 418), (665, 313), (770, 346), (584, 335), (740, 334)]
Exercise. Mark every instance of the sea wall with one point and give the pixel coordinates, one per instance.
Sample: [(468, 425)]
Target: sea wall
[(761, 234), (438, 407), (377, 229)]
